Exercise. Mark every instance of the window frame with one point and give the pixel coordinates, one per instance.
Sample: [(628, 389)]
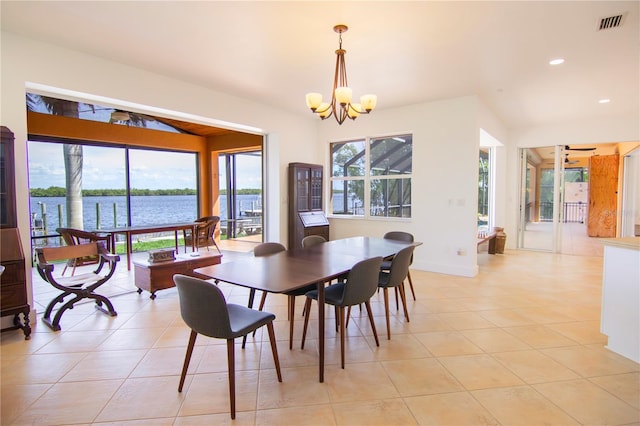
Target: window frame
[(366, 178)]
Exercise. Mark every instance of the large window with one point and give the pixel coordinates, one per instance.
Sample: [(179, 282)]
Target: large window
[(116, 186), (372, 177)]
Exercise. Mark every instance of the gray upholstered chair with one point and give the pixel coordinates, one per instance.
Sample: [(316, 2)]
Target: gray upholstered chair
[(395, 279), (386, 264), (361, 284), (312, 240), (205, 310)]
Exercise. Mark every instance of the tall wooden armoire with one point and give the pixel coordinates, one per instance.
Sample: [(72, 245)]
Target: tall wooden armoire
[(306, 216), (13, 283)]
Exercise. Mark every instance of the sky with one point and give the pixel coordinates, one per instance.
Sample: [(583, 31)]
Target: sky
[(104, 168)]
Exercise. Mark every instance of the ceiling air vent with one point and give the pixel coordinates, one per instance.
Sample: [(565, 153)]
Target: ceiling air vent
[(611, 22)]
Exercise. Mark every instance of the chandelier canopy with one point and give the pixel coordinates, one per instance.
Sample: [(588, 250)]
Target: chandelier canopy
[(341, 106)]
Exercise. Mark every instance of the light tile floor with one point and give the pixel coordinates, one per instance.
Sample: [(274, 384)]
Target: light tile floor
[(517, 344)]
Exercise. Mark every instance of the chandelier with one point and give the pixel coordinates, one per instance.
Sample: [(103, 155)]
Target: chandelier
[(340, 106)]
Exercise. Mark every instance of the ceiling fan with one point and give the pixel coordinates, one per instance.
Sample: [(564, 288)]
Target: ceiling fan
[(567, 161), (568, 148)]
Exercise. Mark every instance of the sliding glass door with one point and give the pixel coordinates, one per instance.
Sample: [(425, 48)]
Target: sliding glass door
[(241, 193), (541, 184)]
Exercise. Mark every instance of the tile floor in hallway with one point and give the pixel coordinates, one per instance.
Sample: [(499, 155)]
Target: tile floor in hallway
[(517, 344)]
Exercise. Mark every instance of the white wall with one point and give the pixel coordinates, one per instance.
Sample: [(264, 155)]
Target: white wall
[(445, 190)]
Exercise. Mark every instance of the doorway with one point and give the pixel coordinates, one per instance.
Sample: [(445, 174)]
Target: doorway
[(559, 186), (241, 196)]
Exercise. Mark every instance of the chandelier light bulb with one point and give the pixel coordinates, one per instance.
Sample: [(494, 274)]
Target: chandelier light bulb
[(314, 100)]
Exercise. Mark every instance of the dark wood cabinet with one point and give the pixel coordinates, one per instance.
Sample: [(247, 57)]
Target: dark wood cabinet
[(7, 181), (306, 216), (13, 283)]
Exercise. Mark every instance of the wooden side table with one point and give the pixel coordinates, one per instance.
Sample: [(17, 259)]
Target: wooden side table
[(159, 275)]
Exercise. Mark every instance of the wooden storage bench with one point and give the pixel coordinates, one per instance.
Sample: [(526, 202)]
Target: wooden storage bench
[(159, 275), (491, 237)]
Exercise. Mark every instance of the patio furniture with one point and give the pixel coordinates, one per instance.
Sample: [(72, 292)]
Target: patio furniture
[(205, 310), (204, 230), (73, 237), (80, 286)]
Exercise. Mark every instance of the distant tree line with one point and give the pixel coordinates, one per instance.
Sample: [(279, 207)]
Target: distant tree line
[(58, 191)]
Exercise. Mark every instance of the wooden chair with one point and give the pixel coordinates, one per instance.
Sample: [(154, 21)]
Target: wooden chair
[(360, 286), (72, 237), (80, 286), (205, 233), (205, 310)]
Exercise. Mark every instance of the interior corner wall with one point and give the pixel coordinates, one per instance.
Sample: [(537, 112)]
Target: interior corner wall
[(444, 180), (492, 125)]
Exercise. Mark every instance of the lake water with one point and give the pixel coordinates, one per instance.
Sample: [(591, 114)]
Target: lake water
[(145, 210)]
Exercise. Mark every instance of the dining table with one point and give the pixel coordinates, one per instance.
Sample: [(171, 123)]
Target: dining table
[(293, 269)]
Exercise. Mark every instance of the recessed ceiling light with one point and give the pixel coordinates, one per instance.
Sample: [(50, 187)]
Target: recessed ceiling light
[(556, 61), (604, 101)]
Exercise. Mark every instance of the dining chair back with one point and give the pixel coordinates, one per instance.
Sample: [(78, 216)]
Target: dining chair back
[(205, 310), (360, 286), (394, 278), (312, 240), (386, 264), (266, 249)]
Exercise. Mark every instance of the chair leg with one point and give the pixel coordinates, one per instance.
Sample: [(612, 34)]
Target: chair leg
[(373, 325), (342, 333), (231, 361), (404, 301), (187, 358), (307, 308), (292, 311), (252, 295), (263, 300), (337, 318), (348, 316), (395, 290), (413, 293), (274, 349), (385, 292)]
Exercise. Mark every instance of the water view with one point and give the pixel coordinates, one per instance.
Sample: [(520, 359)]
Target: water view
[(111, 211)]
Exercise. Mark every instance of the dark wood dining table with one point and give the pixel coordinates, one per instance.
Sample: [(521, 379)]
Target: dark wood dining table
[(128, 231), (289, 270)]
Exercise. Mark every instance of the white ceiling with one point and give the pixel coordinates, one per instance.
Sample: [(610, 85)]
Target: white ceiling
[(405, 52)]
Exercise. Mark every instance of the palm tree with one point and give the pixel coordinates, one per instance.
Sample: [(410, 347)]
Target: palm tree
[(73, 157)]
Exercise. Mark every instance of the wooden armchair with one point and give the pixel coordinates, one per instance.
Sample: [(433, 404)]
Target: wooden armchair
[(204, 230), (74, 237), (80, 286)]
